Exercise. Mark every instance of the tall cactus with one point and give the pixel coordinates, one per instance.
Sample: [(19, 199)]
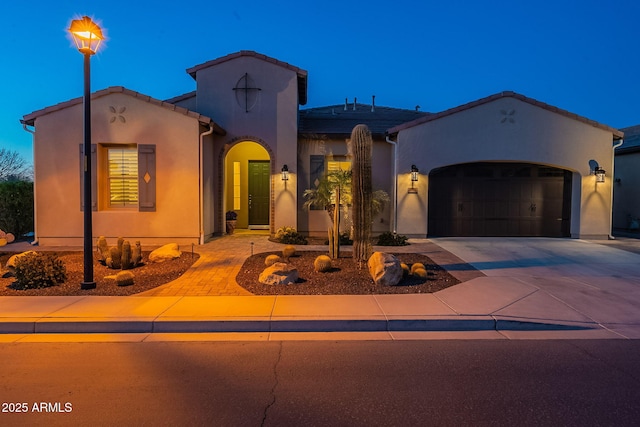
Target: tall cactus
[(361, 145)]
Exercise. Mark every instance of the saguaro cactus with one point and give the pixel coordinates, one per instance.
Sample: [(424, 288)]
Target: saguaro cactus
[(361, 145)]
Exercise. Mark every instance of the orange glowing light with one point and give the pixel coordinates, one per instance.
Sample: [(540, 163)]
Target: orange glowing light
[(86, 34)]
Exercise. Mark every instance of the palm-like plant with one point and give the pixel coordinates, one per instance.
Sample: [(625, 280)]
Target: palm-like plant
[(323, 196)]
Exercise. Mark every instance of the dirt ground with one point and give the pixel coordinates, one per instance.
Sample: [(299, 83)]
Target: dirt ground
[(344, 278), (146, 276)]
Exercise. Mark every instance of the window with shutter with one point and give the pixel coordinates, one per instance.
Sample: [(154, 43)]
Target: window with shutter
[(122, 177)]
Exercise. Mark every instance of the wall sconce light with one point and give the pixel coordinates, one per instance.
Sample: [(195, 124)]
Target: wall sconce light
[(414, 173), (599, 173), (414, 178), (285, 173)]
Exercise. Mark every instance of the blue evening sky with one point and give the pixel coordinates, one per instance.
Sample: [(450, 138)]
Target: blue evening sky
[(579, 55)]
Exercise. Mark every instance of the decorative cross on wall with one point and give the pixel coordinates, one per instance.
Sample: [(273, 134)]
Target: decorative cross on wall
[(246, 93)]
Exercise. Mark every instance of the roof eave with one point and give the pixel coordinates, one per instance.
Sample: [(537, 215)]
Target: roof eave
[(30, 119), (302, 74), (617, 134)]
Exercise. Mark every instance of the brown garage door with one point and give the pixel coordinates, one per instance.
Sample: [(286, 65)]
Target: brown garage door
[(499, 199)]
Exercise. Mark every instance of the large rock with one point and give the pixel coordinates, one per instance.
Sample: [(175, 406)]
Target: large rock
[(385, 269), (279, 273), (11, 262), (164, 253)]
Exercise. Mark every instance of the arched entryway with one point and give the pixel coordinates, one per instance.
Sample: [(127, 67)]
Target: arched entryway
[(499, 199), (247, 184)]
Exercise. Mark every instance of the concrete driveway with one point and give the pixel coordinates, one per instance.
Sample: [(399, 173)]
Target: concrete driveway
[(568, 281)]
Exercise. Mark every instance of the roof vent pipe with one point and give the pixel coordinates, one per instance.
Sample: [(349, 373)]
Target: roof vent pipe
[(417, 108), (346, 101), (373, 103), (355, 101)]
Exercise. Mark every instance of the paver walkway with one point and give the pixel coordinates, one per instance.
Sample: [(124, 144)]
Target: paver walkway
[(215, 271)]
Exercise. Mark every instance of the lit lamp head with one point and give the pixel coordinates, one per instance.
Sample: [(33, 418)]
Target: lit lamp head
[(86, 34), (599, 173), (414, 173), (414, 179), (285, 173)]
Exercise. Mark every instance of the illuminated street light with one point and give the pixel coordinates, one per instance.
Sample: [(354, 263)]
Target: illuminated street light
[(87, 36)]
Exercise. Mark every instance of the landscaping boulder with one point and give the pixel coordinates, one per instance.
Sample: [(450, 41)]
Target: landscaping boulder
[(385, 269), (279, 273), (164, 253), (6, 238)]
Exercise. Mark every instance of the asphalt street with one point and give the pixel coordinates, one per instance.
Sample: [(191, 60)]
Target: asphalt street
[(296, 383)]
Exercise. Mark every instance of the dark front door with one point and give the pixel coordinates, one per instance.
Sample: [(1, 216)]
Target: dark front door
[(500, 199), (259, 178)]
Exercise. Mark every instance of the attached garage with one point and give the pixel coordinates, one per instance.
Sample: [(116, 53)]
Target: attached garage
[(499, 199), (505, 165)]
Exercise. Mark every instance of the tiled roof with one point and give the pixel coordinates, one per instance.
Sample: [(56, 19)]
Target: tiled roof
[(631, 140), (302, 74), (181, 97), (508, 94), (336, 120), (29, 119)]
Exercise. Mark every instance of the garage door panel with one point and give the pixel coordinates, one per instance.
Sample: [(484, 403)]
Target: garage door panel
[(496, 199)]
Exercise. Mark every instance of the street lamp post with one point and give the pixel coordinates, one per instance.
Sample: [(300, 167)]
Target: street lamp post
[(87, 36)]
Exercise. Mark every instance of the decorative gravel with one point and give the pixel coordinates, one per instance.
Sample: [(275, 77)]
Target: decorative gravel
[(146, 276), (344, 279)]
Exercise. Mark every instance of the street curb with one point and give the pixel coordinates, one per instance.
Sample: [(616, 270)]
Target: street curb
[(49, 325)]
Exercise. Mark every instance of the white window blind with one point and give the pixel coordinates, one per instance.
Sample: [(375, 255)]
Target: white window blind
[(123, 177)]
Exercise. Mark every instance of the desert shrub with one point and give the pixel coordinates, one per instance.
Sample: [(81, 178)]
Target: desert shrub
[(405, 269), (345, 239), (392, 239), (39, 270), (420, 272), (322, 264), (416, 266), (288, 251), (289, 235), (124, 278), (272, 259)]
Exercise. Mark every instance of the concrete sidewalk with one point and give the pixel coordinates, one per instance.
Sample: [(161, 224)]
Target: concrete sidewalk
[(530, 288)]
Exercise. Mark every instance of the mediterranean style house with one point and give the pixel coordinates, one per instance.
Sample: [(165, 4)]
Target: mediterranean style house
[(168, 171)]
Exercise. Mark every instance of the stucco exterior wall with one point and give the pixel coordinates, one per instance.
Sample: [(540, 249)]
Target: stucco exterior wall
[(272, 120), (59, 219), (626, 203), (317, 222), (505, 130)]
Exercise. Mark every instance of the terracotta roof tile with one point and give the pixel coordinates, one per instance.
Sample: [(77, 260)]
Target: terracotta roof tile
[(182, 97)]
